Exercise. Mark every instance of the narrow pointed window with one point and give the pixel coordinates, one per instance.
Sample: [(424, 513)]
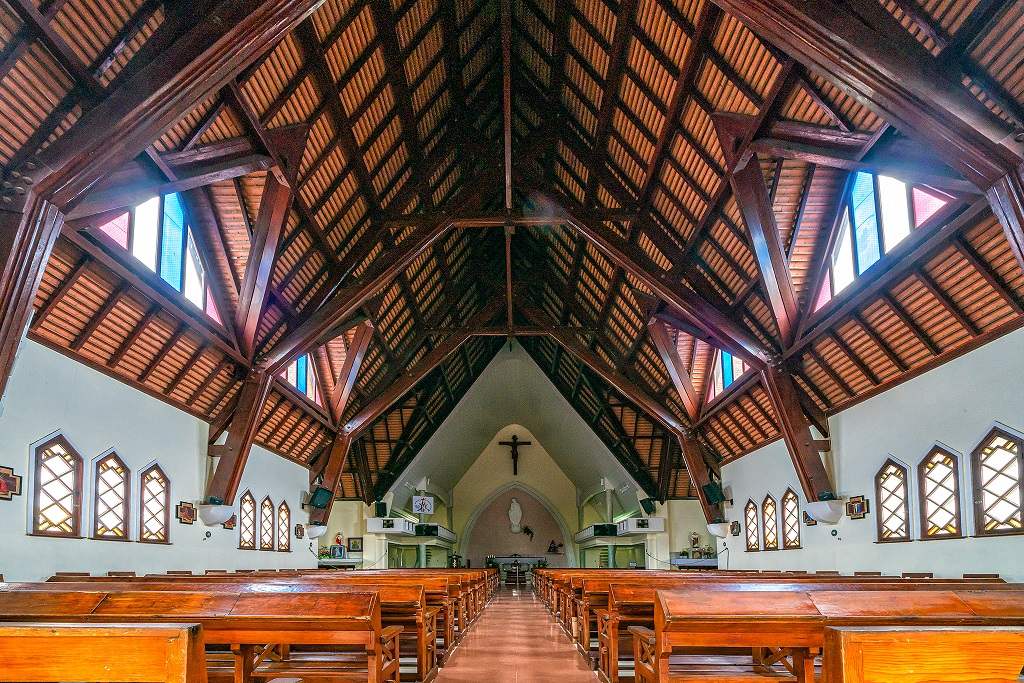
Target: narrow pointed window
[(750, 519), (110, 499), (939, 476), (790, 520), (893, 503), (267, 524), (284, 528), (154, 506), (999, 485), (770, 523), (57, 493), (247, 522)]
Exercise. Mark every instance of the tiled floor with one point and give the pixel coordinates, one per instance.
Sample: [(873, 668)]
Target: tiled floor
[(515, 640)]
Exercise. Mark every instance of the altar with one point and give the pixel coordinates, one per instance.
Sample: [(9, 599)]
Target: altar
[(508, 567)]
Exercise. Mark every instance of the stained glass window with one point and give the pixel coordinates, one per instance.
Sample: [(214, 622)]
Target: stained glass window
[(57, 494), (750, 520), (940, 495), (998, 482), (790, 520), (770, 523), (301, 374), (110, 499), (267, 524), (728, 369), (247, 522), (154, 506), (284, 528), (894, 507)]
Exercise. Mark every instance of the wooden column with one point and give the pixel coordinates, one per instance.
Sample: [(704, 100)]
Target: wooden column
[(115, 131), (700, 475), (336, 459), (242, 428), (804, 449)]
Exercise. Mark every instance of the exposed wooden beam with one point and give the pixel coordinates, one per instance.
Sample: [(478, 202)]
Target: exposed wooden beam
[(796, 432), (337, 457), (677, 372), (346, 379), (700, 475), (115, 131), (242, 429)]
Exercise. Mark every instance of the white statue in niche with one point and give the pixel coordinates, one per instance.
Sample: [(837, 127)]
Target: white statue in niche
[(515, 516)]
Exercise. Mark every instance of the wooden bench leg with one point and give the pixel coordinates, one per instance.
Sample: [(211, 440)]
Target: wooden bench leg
[(803, 665), (245, 658)]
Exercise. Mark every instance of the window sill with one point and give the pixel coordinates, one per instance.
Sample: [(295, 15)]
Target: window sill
[(116, 540), (154, 542), (895, 540), (39, 535), (941, 538), (996, 534)]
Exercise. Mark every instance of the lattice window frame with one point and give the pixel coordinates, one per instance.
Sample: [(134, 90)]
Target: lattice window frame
[(790, 502), (146, 513), (268, 524), (980, 489), (101, 485), (928, 486), (73, 498), (247, 522), (284, 528), (750, 519), (770, 523), (890, 503)]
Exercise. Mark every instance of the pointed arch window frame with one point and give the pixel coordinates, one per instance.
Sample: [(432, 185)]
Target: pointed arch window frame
[(242, 527), (267, 512), (166, 516), (922, 480), (879, 516), (126, 499), (751, 531), (790, 495), (769, 498), (977, 486), (77, 488), (284, 528)]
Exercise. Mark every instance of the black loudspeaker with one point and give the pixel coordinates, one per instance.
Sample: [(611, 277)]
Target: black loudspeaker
[(714, 493), (319, 498), (647, 505), (380, 509)]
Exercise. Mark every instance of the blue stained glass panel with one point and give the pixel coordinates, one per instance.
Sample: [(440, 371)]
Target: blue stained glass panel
[(300, 374), (172, 241), (862, 200), (727, 374)]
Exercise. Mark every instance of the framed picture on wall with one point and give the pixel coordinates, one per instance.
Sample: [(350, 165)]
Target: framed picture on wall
[(185, 512), (355, 544)]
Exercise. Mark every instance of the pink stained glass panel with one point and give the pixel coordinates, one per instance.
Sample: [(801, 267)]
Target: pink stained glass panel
[(211, 307), (117, 229), (824, 296), (926, 205)]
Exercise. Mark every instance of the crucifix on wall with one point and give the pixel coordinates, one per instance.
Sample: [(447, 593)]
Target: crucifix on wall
[(514, 444)]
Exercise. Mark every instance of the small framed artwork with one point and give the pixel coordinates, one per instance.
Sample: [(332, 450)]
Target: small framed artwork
[(10, 483), (734, 528), (231, 523), (423, 505), (808, 520), (857, 507), (185, 512), (355, 544), (300, 531)]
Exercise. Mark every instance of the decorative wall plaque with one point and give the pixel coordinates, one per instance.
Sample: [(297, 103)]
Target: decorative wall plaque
[(10, 483), (185, 512), (857, 507)]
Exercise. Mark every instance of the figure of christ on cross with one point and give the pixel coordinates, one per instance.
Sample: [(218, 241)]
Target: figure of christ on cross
[(514, 444)]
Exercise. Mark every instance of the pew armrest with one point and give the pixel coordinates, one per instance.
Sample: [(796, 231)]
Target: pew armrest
[(645, 635), (390, 633)]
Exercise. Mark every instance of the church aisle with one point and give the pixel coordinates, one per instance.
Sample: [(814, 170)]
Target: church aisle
[(516, 641)]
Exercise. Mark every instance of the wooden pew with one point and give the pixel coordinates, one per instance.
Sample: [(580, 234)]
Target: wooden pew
[(43, 653), (630, 605), (893, 654), (252, 625), (793, 624), (402, 601)]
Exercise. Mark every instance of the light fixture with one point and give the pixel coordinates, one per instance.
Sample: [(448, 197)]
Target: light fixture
[(315, 531), (719, 529), (212, 515), (826, 511)]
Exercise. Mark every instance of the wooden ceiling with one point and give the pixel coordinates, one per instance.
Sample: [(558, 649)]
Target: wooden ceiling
[(631, 245)]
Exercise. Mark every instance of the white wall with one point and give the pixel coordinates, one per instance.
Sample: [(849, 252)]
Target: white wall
[(955, 404), (48, 393)]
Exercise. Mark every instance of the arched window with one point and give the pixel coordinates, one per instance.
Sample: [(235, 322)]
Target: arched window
[(893, 505), (284, 528), (57, 490), (111, 489), (750, 518), (999, 485), (939, 477), (154, 506), (790, 520), (267, 523), (770, 523), (247, 522)]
